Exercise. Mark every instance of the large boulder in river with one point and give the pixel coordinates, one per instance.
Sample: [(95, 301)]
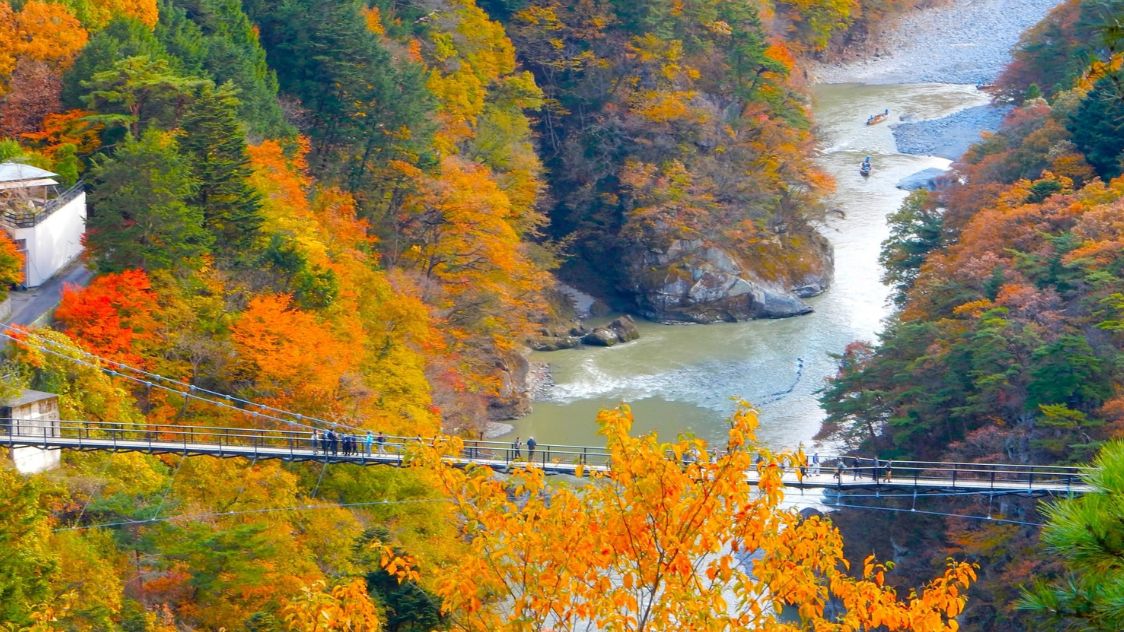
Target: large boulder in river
[(622, 329), (931, 179), (692, 281), (601, 337), (625, 328)]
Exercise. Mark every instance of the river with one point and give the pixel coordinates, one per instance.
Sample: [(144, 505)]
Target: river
[(683, 378)]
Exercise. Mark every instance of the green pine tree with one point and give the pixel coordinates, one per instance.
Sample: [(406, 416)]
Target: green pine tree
[(915, 230), (358, 98), (141, 216), (139, 92), (215, 39), (123, 37), (1097, 125), (215, 143), (1087, 533)]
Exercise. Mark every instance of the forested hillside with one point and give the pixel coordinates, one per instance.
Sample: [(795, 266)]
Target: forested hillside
[(1007, 341), (1007, 344), (428, 165), (677, 153), (351, 210)]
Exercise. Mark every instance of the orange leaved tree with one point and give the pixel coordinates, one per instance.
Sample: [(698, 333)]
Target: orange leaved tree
[(116, 316), (41, 31), (661, 542), (11, 264)]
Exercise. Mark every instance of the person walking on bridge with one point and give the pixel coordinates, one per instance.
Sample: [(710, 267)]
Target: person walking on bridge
[(369, 441), (315, 441), (531, 443), (815, 464), (382, 442), (515, 447), (334, 442)]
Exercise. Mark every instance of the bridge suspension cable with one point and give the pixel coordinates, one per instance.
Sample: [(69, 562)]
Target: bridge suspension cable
[(326, 506), (915, 511), (245, 512), (152, 380)]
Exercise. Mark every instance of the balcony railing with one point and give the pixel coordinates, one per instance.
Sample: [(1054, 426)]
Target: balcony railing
[(28, 213)]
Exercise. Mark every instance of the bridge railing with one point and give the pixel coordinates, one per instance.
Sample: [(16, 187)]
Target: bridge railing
[(274, 442), (974, 475), (268, 441)]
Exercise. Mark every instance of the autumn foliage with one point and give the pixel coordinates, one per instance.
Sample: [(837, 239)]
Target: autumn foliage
[(114, 317), (40, 31), (670, 536), (296, 361), (11, 264), (351, 210)]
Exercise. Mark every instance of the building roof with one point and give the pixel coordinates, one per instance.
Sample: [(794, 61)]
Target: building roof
[(16, 172), (26, 397)]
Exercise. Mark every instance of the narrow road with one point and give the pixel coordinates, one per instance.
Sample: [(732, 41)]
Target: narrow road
[(30, 306)]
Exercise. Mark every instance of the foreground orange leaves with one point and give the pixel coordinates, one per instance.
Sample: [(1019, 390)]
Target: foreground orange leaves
[(671, 537), (345, 608)]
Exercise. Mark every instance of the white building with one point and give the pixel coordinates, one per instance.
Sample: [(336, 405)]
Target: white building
[(32, 414), (45, 221)]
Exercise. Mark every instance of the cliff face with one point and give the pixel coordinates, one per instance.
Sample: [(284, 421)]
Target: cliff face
[(678, 156), (692, 281)]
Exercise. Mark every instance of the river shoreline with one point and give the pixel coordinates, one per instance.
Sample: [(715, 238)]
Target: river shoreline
[(962, 42), (951, 136), (684, 380)]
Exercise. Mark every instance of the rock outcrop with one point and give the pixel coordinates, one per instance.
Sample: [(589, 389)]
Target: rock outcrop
[(513, 400), (949, 136), (551, 340), (931, 179), (622, 329), (691, 281)]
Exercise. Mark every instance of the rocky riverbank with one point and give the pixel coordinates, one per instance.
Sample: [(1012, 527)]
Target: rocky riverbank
[(693, 281), (965, 42), (951, 136)]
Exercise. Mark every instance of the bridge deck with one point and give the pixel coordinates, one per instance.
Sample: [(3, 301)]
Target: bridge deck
[(920, 477)]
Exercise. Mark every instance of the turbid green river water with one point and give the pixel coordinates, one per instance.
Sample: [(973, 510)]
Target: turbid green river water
[(682, 378)]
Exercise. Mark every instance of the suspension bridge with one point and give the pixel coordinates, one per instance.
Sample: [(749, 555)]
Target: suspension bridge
[(833, 472), (294, 441)]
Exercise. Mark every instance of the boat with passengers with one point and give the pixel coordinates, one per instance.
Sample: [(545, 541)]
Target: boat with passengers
[(875, 119)]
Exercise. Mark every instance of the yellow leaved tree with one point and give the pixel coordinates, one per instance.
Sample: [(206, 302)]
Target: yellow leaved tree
[(344, 608), (671, 537)]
